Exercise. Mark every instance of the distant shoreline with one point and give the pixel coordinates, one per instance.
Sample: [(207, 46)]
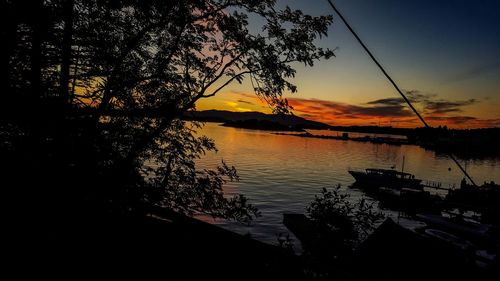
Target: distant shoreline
[(264, 125), (345, 136), (465, 143)]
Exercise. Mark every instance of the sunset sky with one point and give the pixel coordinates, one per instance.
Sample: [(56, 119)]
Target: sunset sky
[(446, 54)]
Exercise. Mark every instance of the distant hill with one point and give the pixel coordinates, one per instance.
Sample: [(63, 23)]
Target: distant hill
[(265, 125), (231, 117)]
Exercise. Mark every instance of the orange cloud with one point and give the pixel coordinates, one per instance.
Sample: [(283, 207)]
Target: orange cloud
[(391, 112)]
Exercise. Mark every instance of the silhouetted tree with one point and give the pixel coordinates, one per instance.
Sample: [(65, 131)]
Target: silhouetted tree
[(352, 222), (339, 226), (95, 89)]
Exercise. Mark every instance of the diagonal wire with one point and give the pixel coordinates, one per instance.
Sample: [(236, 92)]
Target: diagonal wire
[(395, 85)]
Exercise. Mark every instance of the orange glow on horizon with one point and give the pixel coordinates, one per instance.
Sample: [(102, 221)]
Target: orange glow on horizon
[(344, 114)]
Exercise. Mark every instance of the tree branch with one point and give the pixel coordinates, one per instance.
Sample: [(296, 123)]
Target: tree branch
[(225, 84), (221, 73)]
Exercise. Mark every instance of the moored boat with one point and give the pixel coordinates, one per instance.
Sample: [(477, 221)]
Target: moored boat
[(386, 178)]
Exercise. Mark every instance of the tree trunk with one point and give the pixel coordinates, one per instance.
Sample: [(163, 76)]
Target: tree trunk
[(68, 16)]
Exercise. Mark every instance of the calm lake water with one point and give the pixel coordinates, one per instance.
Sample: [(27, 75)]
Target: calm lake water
[(281, 174)]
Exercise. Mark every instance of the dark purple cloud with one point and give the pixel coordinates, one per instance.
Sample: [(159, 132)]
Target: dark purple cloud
[(429, 102), (444, 106), (475, 71)]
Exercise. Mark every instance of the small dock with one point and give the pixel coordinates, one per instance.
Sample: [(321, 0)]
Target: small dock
[(301, 226), (319, 241)]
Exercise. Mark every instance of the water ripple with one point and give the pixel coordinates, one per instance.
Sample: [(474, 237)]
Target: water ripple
[(281, 174)]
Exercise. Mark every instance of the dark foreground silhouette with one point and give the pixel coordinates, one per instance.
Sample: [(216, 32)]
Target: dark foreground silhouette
[(164, 244)]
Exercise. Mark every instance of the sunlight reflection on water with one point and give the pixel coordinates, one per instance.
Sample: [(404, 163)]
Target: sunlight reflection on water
[(281, 174)]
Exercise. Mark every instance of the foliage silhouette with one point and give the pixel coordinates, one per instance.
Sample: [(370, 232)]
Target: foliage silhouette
[(93, 92), (332, 210)]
